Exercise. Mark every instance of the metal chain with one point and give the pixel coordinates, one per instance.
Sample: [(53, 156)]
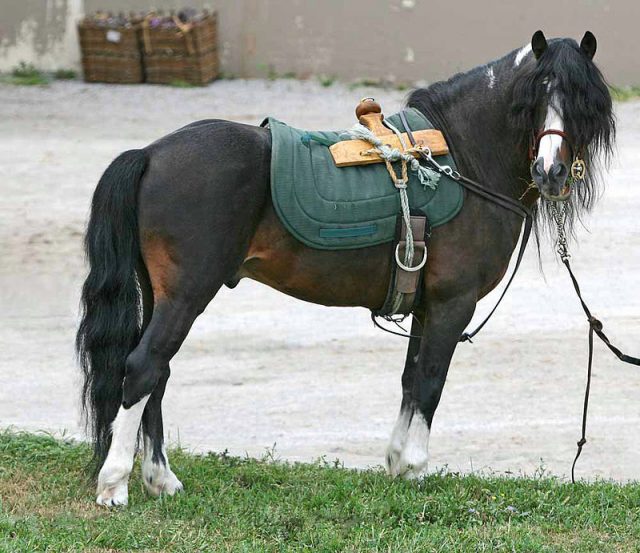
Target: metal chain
[(559, 215)]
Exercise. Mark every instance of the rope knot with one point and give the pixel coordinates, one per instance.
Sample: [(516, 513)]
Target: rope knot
[(582, 442), (466, 338), (595, 324)]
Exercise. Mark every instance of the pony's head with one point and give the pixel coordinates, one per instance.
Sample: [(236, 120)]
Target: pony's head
[(563, 110)]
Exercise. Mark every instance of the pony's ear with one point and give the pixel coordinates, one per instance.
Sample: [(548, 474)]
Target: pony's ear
[(589, 44), (538, 44)]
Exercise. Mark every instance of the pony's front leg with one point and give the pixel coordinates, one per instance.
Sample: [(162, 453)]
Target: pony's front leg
[(425, 372)]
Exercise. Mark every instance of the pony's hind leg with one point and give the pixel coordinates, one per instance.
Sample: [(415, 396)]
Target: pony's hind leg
[(114, 475), (157, 476), (146, 375), (197, 213)]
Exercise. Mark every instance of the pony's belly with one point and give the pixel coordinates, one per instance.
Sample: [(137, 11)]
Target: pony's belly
[(326, 277), (313, 279)]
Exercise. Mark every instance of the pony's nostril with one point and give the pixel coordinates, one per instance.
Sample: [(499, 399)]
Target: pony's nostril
[(538, 173), (558, 173)]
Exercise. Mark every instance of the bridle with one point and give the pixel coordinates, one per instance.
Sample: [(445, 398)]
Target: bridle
[(578, 168)]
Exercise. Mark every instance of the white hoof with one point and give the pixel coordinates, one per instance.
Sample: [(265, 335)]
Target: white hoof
[(113, 496), (407, 454), (160, 480), (157, 475), (113, 489)]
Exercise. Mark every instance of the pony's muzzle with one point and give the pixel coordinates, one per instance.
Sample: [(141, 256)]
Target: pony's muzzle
[(552, 183)]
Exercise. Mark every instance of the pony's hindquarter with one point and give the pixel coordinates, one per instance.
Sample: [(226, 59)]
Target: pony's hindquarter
[(111, 305), (181, 215)]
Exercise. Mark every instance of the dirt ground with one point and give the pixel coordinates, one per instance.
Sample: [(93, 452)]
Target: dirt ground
[(259, 368)]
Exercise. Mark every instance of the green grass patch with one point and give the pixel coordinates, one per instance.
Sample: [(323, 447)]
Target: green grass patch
[(65, 74), (179, 83), (326, 80), (625, 93), (25, 74), (233, 504)]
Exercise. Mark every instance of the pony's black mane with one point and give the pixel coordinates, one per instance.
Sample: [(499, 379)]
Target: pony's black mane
[(522, 91)]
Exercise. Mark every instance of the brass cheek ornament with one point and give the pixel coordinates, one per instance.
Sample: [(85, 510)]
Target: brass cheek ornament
[(578, 169)]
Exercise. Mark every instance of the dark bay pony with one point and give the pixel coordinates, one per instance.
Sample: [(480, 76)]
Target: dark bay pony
[(173, 222)]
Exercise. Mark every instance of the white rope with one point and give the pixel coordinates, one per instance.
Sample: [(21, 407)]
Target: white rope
[(404, 201), (428, 177)]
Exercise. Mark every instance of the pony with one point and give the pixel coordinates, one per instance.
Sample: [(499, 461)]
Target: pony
[(172, 223)]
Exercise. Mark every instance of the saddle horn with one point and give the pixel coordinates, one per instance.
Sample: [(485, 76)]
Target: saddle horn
[(369, 114)]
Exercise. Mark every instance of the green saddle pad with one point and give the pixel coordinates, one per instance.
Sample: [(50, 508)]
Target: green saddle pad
[(336, 208)]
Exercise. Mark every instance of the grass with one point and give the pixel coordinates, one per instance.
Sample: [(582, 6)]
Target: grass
[(326, 80), (179, 83), (26, 74), (65, 74), (234, 504), (624, 94)]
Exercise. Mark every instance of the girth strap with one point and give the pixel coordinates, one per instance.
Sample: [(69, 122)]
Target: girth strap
[(404, 285)]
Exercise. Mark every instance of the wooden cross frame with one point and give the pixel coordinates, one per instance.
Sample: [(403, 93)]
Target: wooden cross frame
[(358, 152)]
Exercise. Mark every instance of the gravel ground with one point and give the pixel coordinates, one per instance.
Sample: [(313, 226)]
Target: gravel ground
[(259, 368)]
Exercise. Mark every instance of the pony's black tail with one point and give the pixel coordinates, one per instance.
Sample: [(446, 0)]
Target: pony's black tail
[(111, 303)]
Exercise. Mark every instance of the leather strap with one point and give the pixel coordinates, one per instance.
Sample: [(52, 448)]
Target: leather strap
[(407, 282), (533, 150), (402, 282), (595, 326), (496, 197), (528, 225)]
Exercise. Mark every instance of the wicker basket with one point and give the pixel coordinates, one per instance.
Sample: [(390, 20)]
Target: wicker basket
[(110, 55), (187, 53)]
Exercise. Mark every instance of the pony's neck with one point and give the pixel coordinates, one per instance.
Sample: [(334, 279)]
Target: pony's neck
[(472, 110)]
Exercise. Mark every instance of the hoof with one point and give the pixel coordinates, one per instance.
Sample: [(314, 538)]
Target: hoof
[(160, 480), (398, 466), (114, 496), (113, 488), (407, 454)]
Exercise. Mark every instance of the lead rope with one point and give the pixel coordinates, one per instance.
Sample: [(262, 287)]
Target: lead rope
[(595, 326)]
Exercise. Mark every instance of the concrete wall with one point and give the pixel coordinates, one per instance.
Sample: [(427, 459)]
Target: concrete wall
[(394, 40), (39, 31)]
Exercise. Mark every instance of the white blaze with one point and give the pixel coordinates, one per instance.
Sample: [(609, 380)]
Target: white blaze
[(550, 144)]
